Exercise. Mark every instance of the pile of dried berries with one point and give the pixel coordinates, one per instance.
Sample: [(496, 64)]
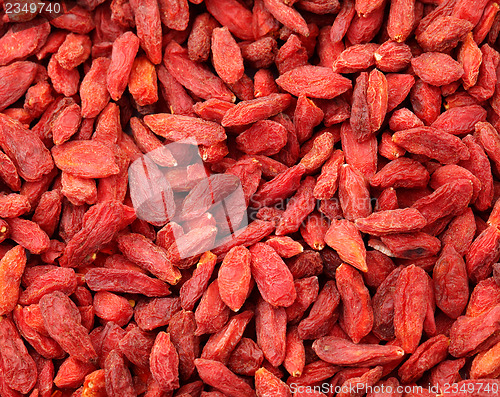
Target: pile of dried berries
[(239, 198)]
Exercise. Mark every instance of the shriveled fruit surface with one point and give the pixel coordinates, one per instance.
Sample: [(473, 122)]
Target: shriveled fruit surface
[(269, 198)]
